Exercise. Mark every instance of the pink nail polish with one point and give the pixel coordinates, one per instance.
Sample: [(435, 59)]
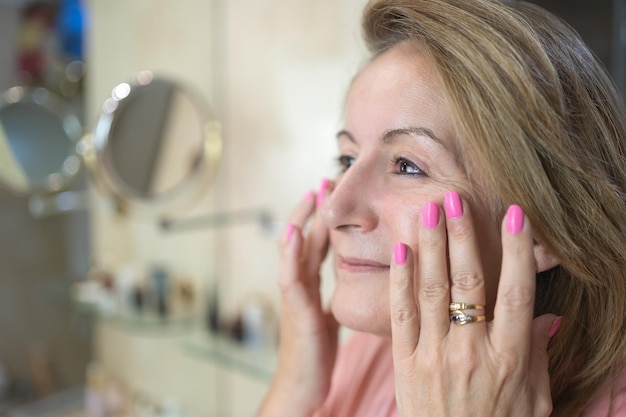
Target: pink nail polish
[(514, 219), (399, 253), (288, 232), (320, 194), (453, 205), (430, 215), (554, 327)]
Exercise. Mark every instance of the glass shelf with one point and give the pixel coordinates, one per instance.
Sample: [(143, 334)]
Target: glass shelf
[(256, 362), (195, 341), (146, 322), (151, 323)]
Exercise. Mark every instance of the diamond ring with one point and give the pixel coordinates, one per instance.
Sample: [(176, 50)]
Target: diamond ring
[(460, 318)]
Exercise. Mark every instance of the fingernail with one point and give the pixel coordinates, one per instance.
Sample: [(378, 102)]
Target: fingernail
[(555, 326), (514, 219), (453, 205), (309, 195), (399, 253), (320, 195), (288, 232), (430, 215)]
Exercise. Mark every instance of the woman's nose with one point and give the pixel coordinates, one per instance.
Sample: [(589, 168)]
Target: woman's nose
[(350, 202)]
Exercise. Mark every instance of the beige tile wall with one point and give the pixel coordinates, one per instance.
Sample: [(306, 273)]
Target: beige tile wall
[(276, 72)]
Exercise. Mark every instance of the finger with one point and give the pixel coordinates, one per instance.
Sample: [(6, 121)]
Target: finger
[(466, 273), (321, 195), (295, 299), (513, 314), (403, 309), (433, 292), (291, 246), (290, 259), (302, 212), (316, 245)]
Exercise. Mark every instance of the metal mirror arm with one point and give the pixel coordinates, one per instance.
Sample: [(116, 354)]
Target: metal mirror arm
[(269, 225)]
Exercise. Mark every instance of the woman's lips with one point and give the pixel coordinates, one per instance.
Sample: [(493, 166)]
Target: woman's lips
[(359, 265)]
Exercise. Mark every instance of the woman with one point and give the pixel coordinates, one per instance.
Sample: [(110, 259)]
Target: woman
[(477, 228)]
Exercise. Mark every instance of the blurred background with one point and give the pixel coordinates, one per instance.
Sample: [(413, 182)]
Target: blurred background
[(150, 152)]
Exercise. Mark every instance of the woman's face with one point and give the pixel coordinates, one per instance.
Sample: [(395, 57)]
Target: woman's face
[(397, 149)]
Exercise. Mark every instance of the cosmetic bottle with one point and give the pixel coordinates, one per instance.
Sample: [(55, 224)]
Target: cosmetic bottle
[(160, 281), (182, 297), (212, 311), (138, 298), (259, 321), (124, 284)]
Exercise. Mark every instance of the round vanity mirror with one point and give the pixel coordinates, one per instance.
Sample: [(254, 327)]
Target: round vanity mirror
[(154, 145), (38, 136)]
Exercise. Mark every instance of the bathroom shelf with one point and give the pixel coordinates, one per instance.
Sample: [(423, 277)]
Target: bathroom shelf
[(145, 323), (153, 324), (256, 362)]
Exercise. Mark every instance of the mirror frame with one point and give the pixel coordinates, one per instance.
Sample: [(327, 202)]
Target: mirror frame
[(93, 149)]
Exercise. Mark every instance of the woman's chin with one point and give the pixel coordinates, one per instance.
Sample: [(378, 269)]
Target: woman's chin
[(362, 309)]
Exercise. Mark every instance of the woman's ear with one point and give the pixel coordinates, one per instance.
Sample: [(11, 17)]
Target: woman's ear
[(544, 258)]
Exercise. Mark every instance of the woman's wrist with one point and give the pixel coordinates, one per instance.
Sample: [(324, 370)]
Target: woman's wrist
[(284, 403)]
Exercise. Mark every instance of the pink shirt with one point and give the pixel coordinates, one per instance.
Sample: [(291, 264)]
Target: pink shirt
[(363, 384)]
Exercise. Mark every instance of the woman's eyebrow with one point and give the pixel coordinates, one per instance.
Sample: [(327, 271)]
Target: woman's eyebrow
[(390, 135), (346, 134)]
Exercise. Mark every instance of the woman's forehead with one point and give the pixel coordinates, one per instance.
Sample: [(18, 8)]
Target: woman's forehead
[(400, 89)]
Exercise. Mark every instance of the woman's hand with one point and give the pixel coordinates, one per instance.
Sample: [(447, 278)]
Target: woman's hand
[(497, 368), (308, 334)]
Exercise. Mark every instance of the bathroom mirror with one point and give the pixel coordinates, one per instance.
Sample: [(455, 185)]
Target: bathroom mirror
[(155, 144), (38, 136)]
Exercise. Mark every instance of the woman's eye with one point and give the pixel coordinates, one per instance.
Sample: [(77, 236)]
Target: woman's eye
[(406, 167), (345, 162)]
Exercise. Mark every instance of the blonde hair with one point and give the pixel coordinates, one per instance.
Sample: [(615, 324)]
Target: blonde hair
[(540, 124)]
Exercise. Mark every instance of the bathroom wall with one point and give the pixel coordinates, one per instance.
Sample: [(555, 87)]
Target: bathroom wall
[(288, 68), (276, 73)]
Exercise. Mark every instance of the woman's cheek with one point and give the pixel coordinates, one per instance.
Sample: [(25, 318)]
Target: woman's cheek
[(406, 227)]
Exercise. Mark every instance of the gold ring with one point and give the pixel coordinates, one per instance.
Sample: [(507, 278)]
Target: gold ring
[(465, 306), (460, 318)]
